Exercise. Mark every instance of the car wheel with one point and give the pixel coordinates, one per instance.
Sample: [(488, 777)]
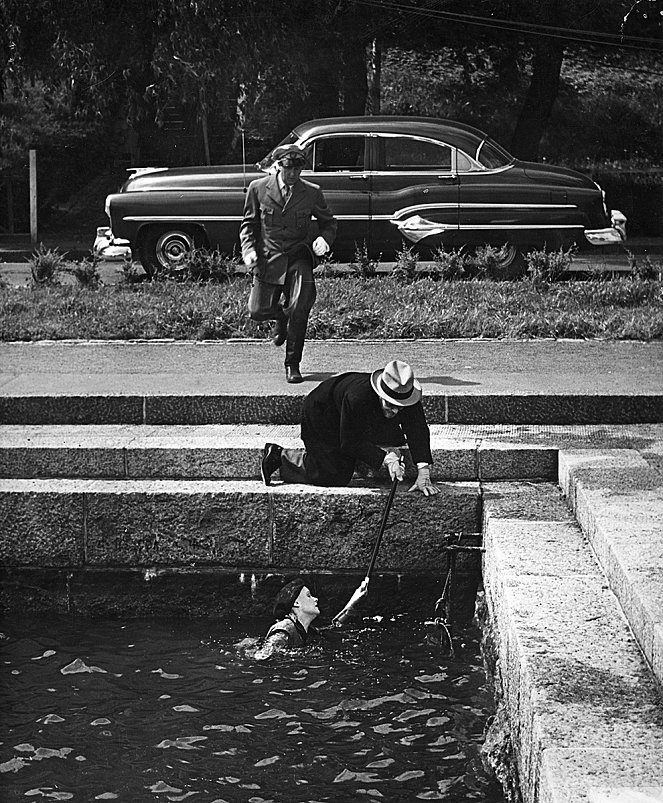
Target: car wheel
[(511, 264), (165, 249)]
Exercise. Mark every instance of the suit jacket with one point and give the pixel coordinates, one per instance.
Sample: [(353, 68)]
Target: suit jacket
[(343, 419), (274, 230)]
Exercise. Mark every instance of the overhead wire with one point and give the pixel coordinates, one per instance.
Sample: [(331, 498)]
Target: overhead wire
[(557, 32)]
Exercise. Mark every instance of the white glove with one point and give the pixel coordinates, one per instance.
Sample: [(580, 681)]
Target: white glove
[(423, 482), (250, 257), (395, 466), (320, 247)]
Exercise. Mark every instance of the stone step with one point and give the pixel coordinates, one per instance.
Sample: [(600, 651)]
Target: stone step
[(232, 525), (617, 498), (234, 452), (509, 406), (575, 694)]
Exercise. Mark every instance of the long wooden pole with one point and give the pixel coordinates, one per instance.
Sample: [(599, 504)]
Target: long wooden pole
[(33, 197)]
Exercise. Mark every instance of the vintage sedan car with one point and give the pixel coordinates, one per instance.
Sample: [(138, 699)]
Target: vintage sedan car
[(423, 182)]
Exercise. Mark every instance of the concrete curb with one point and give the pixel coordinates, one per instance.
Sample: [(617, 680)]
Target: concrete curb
[(582, 706), (233, 525), (617, 499), (229, 452), (513, 408)]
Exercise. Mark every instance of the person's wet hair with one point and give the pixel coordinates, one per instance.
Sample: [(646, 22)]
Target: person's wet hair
[(286, 597)]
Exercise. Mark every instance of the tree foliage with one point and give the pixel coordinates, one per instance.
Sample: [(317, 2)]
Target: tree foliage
[(265, 65)]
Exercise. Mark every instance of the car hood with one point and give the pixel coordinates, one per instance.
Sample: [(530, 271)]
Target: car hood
[(549, 174), (191, 178)]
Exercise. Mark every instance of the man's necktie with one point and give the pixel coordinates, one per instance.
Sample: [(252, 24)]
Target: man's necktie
[(286, 194)]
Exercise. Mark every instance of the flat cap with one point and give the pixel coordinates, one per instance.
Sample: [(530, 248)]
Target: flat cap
[(289, 153)]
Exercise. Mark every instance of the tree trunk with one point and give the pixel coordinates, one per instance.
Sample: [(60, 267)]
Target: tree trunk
[(353, 84), (541, 96), (374, 70)]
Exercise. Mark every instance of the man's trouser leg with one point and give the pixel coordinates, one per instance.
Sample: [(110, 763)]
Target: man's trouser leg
[(292, 466), (325, 468), (299, 297), (264, 301)]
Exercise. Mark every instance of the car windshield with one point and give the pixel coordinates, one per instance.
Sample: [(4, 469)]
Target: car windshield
[(266, 162), (491, 155)]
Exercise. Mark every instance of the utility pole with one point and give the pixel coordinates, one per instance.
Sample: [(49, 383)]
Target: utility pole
[(33, 197)]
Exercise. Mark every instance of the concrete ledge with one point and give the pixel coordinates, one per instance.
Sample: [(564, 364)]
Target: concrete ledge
[(512, 407), (232, 452), (617, 498), (231, 524), (572, 678), (603, 776)]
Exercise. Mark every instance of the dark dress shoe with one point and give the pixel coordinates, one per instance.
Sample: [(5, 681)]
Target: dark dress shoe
[(292, 374), (280, 332), (271, 460)]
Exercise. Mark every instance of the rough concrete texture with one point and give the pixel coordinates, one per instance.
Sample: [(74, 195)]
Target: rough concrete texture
[(617, 498), (583, 706), (42, 522), (534, 408), (222, 451), (603, 776), (71, 409), (538, 501), (225, 523), (333, 529)]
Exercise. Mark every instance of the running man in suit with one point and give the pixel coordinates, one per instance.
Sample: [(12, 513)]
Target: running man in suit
[(277, 243)]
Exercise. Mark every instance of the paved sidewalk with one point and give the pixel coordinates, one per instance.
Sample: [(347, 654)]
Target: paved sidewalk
[(464, 381)]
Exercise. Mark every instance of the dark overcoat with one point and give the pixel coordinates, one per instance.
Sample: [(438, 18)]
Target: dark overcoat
[(343, 423), (274, 230)]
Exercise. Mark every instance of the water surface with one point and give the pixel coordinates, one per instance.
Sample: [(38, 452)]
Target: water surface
[(169, 711)]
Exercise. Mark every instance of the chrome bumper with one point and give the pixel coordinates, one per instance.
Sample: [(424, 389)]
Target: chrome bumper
[(110, 248), (613, 235)]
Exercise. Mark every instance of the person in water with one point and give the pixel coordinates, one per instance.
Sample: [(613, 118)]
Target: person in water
[(295, 608)]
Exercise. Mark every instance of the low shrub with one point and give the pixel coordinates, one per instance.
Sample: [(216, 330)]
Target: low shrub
[(448, 265), (201, 265), (544, 266), (644, 267), (46, 264), (363, 264), (484, 262), (407, 265), (131, 272), (86, 273)]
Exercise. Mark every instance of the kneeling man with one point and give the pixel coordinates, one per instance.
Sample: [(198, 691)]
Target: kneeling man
[(343, 421)]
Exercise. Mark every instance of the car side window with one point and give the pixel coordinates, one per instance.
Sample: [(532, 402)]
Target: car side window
[(407, 153), (337, 154), (464, 164)]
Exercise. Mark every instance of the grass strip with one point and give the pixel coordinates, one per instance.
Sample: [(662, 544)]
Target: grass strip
[(346, 307)]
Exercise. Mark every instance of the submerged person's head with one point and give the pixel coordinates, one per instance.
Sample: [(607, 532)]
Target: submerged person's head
[(295, 599)]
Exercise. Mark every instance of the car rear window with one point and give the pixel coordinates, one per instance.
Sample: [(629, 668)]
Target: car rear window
[(408, 153), (331, 154)]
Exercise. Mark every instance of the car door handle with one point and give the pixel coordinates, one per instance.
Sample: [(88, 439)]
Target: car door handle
[(448, 179), (358, 176)]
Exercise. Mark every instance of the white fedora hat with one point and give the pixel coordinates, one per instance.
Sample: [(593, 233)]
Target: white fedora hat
[(396, 384)]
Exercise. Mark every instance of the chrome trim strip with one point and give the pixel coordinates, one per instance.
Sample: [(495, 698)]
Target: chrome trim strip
[(178, 218), (205, 218), (499, 227), (408, 210)]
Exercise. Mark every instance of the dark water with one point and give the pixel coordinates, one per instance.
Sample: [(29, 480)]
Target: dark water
[(171, 711)]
